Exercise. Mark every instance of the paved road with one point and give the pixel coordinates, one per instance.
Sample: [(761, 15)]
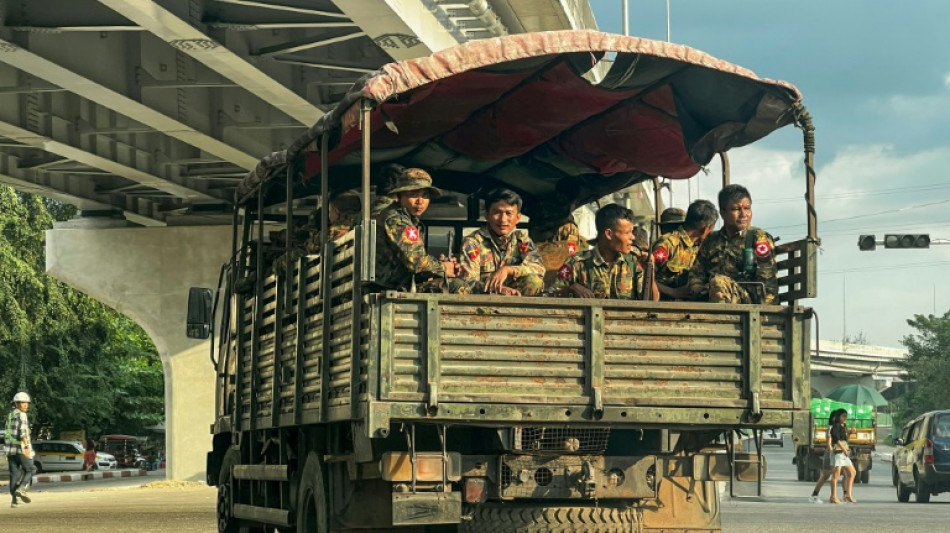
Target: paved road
[(119, 505), (784, 506)]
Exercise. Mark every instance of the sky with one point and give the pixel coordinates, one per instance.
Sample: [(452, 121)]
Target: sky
[(875, 76)]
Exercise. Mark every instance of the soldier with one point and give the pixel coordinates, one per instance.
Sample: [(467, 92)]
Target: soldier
[(670, 219), (735, 264), (343, 214), (499, 258), (401, 257), (607, 269), (675, 252), (388, 175)]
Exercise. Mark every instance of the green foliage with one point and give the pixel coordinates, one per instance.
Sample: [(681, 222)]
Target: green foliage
[(85, 365), (927, 365)]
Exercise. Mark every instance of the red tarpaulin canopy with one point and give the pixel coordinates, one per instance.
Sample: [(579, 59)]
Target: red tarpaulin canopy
[(529, 111)]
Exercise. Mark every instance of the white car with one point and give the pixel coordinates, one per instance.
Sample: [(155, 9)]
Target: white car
[(64, 455)]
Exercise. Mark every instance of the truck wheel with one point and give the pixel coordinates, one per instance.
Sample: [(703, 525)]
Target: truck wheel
[(226, 522), (895, 478), (923, 490), (865, 476), (801, 470), (512, 518), (311, 499)]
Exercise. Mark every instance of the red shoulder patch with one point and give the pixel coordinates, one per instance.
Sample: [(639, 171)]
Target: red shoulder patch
[(571, 248), (473, 254), (564, 272), (412, 233), (524, 247), (763, 249), (660, 255)]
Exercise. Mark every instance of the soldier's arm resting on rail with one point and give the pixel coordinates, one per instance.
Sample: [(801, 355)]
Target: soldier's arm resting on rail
[(412, 251)]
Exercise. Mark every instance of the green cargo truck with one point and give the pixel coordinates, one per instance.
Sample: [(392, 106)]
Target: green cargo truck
[(862, 437), (340, 406)]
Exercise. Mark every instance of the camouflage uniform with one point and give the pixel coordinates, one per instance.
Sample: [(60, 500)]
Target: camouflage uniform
[(674, 254), (621, 280), (334, 232), (483, 254), (401, 256), (380, 203), (719, 268)]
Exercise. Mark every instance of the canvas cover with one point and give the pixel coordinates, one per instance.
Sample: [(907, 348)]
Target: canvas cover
[(521, 111)]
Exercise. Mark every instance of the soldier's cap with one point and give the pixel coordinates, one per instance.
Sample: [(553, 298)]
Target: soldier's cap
[(672, 215), (413, 179)]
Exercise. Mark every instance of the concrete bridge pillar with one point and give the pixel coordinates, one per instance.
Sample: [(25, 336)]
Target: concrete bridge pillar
[(145, 273)]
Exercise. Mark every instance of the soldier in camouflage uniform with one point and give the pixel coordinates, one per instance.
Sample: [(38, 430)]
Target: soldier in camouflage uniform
[(499, 258), (343, 214), (675, 251), (401, 258), (388, 176), (736, 264), (670, 219), (607, 269)]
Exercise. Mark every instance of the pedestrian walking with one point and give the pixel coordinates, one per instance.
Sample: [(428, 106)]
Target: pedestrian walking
[(827, 462), (89, 456), (839, 446), (19, 450)]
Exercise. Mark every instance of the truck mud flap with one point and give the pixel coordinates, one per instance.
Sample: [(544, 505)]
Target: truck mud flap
[(424, 508)]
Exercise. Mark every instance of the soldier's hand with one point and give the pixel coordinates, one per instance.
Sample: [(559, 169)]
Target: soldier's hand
[(497, 280), (581, 291), (509, 291), (452, 268)]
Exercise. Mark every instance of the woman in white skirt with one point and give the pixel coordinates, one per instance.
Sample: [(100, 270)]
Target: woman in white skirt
[(842, 463)]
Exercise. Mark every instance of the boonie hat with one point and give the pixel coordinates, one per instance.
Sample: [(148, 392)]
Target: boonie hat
[(672, 215), (413, 179)]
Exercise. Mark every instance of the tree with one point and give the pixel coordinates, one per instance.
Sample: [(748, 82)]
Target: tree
[(927, 365), (84, 364)]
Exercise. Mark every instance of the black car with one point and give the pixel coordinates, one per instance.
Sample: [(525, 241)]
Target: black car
[(922, 457)]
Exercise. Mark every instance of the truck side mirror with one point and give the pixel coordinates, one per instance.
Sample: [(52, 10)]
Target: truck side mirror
[(199, 313), (898, 442)]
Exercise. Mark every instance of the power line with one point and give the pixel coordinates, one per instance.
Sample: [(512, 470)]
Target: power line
[(854, 194), (905, 266), (867, 215)]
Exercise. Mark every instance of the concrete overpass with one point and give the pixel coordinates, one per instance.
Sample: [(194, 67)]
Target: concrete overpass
[(146, 113), (834, 363)]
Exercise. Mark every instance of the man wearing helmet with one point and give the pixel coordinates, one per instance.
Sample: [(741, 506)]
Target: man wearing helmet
[(18, 448)]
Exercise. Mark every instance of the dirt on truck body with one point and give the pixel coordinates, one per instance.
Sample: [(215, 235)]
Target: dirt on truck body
[(343, 408)]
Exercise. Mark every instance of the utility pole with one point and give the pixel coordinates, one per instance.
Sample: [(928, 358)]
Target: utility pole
[(625, 14)]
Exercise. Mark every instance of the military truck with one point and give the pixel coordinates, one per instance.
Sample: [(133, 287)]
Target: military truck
[(862, 438), (343, 407)]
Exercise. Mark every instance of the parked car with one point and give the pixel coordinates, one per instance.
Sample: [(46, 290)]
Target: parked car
[(64, 455), (773, 436), (922, 457)]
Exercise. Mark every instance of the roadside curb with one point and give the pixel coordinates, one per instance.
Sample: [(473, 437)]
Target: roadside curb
[(88, 476)]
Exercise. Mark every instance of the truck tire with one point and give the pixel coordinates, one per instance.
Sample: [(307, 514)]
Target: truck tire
[(312, 499), (801, 469), (922, 491), (226, 521), (865, 476), (514, 518), (895, 479)]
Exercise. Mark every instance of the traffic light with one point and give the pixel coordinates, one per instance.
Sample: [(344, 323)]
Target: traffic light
[(866, 243), (907, 240)]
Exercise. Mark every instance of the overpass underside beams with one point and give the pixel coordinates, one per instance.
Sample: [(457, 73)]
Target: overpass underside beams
[(154, 109)]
